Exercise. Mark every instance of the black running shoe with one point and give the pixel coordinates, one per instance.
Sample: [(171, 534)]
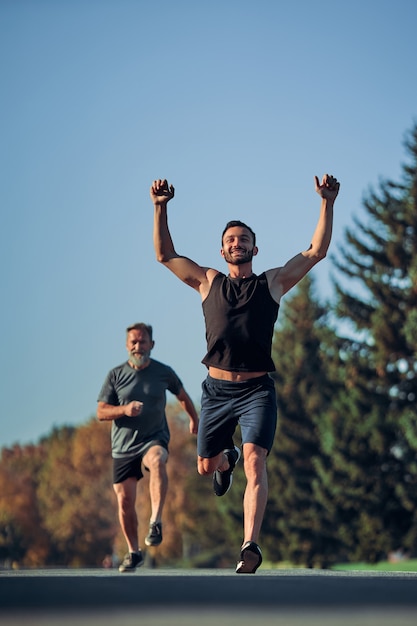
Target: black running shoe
[(250, 558), (131, 561), (222, 481), (154, 537)]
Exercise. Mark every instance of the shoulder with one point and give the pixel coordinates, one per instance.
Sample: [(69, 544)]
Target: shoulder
[(163, 372), (212, 276), (116, 375), (154, 364), (275, 285), (217, 278), (115, 371), (159, 367)]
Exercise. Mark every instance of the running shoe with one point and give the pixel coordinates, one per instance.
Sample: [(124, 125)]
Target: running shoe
[(131, 561), (250, 558), (154, 537), (222, 481)]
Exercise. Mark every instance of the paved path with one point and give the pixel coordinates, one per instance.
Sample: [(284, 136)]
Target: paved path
[(188, 597)]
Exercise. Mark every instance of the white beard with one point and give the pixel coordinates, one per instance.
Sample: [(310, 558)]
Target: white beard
[(139, 360)]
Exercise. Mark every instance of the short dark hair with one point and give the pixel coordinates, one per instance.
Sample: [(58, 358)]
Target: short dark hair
[(242, 225), (141, 326)]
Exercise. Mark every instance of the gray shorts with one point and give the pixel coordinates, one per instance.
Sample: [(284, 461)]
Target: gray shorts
[(252, 404)]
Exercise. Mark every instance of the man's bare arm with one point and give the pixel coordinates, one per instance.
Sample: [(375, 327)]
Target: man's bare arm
[(188, 406), (109, 412), (284, 278), (184, 268)]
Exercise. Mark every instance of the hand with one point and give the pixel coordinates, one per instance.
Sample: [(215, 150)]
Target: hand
[(194, 426), (329, 187), (133, 409), (161, 192)]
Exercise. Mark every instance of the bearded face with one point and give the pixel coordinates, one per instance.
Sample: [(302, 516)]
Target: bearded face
[(238, 247), (139, 346)]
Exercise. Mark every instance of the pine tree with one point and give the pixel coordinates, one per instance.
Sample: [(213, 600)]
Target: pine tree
[(380, 260), (297, 527), (352, 443)]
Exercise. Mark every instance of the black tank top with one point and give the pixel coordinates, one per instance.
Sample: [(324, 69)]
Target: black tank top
[(240, 314)]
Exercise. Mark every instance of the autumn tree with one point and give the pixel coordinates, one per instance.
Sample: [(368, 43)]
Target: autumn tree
[(75, 497), (180, 466), (23, 539)]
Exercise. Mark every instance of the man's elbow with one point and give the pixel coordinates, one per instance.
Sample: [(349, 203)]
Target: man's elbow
[(161, 257), (165, 257), (317, 254), (320, 255)]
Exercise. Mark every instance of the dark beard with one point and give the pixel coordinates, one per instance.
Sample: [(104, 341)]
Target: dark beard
[(241, 260)]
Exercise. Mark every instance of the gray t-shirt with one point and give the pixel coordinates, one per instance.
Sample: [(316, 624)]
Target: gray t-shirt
[(124, 384)]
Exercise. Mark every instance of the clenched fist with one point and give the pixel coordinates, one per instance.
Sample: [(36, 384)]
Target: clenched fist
[(133, 409)]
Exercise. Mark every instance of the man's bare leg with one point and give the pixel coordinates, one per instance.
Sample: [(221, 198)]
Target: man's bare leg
[(126, 499), (155, 460), (254, 504), (256, 492)]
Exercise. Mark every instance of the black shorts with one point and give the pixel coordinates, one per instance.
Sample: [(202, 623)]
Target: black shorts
[(252, 404), (131, 466)]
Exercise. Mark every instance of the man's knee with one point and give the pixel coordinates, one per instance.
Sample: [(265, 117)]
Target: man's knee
[(155, 458), (126, 494), (254, 459), (203, 466), (208, 466)]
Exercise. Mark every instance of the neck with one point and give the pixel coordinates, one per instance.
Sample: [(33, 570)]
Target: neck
[(240, 271)]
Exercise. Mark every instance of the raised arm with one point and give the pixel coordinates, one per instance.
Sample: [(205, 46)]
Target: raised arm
[(184, 268), (284, 278)]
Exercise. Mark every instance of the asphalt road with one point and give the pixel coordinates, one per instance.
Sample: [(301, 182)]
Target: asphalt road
[(188, 597)]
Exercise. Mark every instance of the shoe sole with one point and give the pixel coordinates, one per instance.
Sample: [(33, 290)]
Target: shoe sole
[(129, 570), (151, 543), (251, 558), (123, 569)]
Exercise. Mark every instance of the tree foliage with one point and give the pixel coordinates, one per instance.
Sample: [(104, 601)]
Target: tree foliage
[(380, 261), (298, 528), (74, 495), (23, 537)]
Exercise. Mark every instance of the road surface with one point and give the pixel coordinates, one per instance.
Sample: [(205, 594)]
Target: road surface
[(159, 597)]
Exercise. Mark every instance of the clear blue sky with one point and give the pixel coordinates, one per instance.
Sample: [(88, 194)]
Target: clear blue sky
[(238, 103)]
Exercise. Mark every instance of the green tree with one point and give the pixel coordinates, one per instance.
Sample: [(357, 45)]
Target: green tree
[(378, 302), (297, 527), (353, 443)]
